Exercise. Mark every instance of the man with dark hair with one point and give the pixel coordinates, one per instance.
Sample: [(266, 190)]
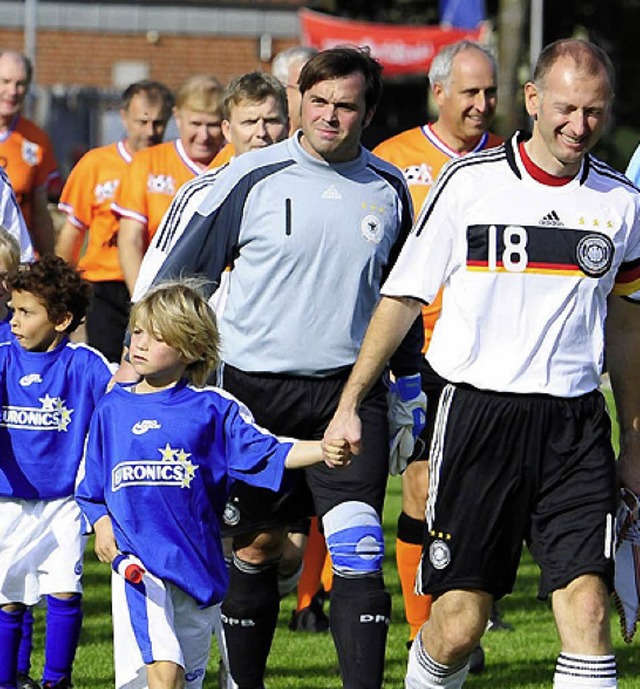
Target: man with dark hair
[(26, 151), (311, 226), (531, 267), (86, 199)]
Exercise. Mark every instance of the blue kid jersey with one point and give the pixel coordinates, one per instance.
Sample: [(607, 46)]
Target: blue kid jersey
[(5, 327), (160, 465), (46, 402)]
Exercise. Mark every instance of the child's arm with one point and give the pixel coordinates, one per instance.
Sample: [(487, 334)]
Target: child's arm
[(105, 545), (304, 453)]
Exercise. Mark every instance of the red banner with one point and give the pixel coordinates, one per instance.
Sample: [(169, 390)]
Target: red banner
[(400, 48)]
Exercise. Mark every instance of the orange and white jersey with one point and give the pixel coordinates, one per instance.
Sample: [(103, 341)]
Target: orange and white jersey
[(225, 155), (27, 155), (421, 154), (86, 199), (151, 182)]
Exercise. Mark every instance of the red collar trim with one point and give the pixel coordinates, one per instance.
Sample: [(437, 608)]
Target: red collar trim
[(538, 173)]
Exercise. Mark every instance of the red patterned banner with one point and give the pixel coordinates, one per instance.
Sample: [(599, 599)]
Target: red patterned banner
[(400, 48)]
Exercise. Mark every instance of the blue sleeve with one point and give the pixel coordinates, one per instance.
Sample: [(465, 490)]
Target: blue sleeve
[(633, 169), (254, 455), (90, 492)]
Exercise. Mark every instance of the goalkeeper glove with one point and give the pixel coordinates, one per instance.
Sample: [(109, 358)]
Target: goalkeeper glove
[(626, 595), (407, 417)]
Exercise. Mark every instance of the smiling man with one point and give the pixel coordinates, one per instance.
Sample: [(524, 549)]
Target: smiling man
[(311, 226), (156, 174), (531, 267)]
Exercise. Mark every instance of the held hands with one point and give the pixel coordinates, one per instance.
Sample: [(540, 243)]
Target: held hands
[(337, 453)]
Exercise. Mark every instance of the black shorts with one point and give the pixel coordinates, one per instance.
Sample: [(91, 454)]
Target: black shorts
[(108, 317), (507, 468), (302, 407)]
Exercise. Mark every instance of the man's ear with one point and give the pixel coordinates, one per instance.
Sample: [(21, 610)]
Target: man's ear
[(64, 322), (532, 99), (226, 129), (368, 117)]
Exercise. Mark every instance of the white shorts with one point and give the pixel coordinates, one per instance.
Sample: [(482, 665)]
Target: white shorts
[(41, 549), (153, 621)]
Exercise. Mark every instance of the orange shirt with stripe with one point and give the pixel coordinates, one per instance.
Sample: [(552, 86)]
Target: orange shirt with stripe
[(27, 155), (151, 182), (420, 154), (86, 199)]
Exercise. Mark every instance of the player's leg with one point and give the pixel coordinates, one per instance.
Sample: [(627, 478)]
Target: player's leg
[(60, 582), (350, 503), (410, 538), (144, 634), (308, 615), (163, 674), (251, 605), (63, 625), (581, 611), (439, 656), (24, 653), (574, 516), (10, 634), (255, 517), (290, 565), (476, 460)]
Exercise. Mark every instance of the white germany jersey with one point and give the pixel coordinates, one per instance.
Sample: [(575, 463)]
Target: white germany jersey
[(526, 270)]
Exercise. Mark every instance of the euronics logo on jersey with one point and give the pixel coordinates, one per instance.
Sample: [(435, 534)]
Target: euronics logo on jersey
[(547, 250), (174, 469), (52, 415)]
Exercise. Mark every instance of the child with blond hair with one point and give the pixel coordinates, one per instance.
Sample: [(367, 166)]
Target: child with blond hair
[(160, 456)]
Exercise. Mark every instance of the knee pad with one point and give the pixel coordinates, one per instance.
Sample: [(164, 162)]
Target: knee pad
[(354, 538)]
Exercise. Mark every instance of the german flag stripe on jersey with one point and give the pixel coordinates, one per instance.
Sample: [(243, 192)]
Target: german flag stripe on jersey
[(628, 278), (538, 249)]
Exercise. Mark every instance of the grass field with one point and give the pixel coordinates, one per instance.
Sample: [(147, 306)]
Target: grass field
[(520, 659)]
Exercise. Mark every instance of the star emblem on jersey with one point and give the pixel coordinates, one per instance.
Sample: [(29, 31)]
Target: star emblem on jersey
[(52, 415), (173, 469)]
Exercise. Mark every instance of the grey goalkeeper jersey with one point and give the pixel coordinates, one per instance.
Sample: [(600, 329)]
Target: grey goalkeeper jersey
[(309, 244)]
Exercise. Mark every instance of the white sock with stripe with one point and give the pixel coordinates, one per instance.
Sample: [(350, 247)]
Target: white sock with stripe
[(589, 672), (423, 672)]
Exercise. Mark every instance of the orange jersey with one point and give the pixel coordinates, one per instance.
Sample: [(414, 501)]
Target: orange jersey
[(420, 154), (86, 199), (27, 155), (225, 155), (151, 182)]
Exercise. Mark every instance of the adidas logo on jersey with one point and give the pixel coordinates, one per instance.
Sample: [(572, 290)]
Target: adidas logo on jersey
[(551, 220), (331, 193)]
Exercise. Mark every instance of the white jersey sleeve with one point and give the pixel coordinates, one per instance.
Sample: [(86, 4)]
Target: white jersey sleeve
[(12, 220)]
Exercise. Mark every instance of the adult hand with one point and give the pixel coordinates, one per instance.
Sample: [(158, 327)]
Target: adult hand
[(344, 426)]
